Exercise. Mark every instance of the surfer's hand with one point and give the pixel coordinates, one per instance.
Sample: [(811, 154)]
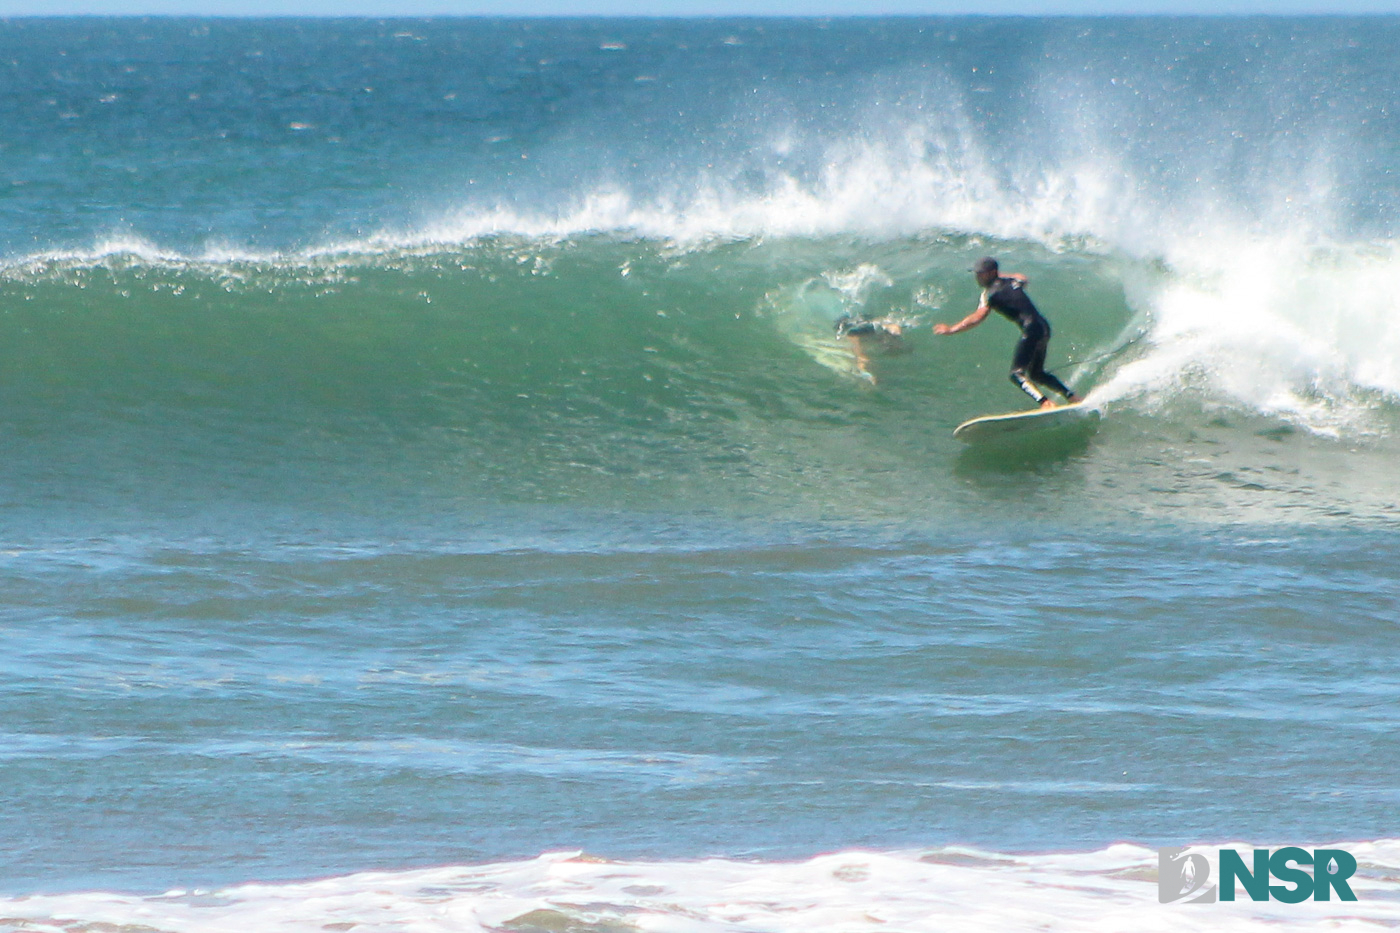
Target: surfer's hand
[(941, 328)]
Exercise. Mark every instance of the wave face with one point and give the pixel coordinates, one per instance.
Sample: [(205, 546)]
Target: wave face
[(603, 371), (596, 260)]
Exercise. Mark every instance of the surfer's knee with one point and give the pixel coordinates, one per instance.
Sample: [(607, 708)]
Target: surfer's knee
[(1022, 382)]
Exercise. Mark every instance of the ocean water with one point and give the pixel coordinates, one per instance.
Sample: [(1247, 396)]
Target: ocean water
[(433, 495)]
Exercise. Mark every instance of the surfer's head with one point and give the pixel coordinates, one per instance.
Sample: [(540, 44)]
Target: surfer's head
[(986, 270)]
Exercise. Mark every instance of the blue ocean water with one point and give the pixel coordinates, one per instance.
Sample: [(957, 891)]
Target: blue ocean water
[(427, 449)]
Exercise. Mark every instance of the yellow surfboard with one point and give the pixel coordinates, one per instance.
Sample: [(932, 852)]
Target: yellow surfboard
[(1009, 427)]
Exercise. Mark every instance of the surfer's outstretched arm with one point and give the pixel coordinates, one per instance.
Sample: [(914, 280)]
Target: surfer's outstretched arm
[(967, 323)]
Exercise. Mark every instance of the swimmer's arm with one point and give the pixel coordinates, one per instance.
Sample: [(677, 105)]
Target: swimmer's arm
[(967, 323), (1017, 277)]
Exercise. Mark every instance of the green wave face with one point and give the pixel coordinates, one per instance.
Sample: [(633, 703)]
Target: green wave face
[(601, 372)]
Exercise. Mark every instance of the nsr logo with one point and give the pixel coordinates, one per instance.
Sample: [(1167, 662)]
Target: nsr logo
[(1179, 876)]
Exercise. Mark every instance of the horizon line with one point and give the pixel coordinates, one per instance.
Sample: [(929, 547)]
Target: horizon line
[(1227, 14)]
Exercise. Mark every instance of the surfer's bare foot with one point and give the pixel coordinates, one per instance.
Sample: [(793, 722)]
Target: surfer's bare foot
[(1046, 404)]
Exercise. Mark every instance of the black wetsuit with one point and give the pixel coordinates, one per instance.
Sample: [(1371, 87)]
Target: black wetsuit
[(1006, 297)]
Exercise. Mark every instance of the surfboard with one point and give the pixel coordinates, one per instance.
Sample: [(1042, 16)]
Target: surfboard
[(1027, 423)]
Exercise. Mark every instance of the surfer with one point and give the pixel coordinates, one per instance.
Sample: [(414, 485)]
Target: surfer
[(1006, 294), (886, 331)]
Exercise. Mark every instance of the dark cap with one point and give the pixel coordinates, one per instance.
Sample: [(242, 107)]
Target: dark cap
[(985, 264)]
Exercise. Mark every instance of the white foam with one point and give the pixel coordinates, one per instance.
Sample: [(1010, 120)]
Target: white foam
[(1306, 333), (962, 889), (880, 189), (857, 284)]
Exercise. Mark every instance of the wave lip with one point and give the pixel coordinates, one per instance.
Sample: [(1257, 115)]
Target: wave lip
[(951, 887)]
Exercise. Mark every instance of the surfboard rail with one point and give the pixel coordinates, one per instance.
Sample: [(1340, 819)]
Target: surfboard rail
[(1021, 423)]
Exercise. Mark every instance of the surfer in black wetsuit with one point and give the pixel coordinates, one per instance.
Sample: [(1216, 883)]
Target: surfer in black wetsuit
[(1006, 295)]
